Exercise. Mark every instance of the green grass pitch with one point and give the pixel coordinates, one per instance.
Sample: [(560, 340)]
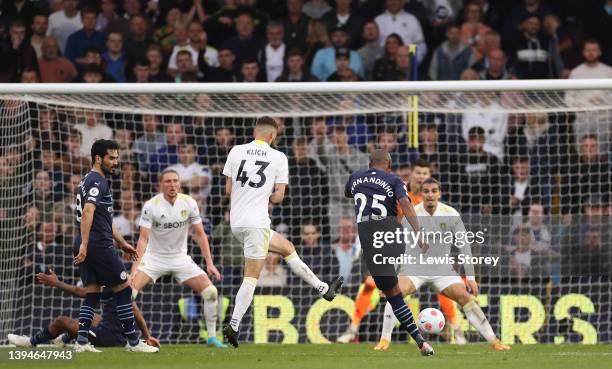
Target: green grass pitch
[(351, 356)]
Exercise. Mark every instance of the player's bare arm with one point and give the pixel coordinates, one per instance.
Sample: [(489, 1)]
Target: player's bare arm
[(228, 186), (279, 193), (141, 246), (123, 245), (142, 324), (52, 280), (202, 241), (86, 222), (412, 219)]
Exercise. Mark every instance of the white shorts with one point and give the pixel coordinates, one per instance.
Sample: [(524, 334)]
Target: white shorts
[(254, 240), (181, 266), (439, 282)]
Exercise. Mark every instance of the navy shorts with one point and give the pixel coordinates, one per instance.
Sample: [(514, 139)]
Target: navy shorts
[(104, 337), (103, 265), (384, 275)]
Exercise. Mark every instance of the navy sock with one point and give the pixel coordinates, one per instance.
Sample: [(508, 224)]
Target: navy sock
[(40, 337), (123, 300), (404, 315), (66, 338), (90, 304)]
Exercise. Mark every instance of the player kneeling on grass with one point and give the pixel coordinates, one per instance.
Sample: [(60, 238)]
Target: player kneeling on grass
[(437, 217), (256, 175), (105, 331), (164, 227)]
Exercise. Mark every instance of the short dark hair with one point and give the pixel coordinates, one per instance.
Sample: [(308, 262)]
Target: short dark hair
[(432, 180), (300, 140), (421, 163), (266, 121), (592, 41), (142, 63), (166, 171), (183, 52), (88, 10), (295, 51), (101, 147), (476, 131), (17, 22)]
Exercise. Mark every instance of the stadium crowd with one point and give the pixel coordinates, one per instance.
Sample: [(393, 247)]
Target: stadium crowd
[(490, 164)]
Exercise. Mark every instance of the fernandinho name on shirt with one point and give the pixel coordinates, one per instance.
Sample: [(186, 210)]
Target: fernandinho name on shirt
[(377, 181)]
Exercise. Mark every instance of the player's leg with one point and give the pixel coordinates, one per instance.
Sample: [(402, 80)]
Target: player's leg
[(448, 309), (203, 286), (58, 326), (457, 292), (285, 248), (408, 286), (86, 313)]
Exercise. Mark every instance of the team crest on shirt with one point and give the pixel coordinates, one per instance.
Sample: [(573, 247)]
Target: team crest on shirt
[(123, 276), (443, 226), (184, 214)]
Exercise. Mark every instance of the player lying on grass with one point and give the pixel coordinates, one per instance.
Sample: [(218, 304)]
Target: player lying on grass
[(256, 175), (435, 216), (106, 330), (376, 191), (164, 227)]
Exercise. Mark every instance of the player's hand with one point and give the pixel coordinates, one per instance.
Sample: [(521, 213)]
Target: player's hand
[(81, 255), (212, 271), (472, 287), (129, 250), (48, 279), (152, 341)]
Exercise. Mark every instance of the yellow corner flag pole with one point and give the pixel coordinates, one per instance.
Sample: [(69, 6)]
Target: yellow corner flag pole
[(413, 105)]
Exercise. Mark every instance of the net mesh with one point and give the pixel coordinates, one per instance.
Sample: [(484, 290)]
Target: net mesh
[(504, 159)]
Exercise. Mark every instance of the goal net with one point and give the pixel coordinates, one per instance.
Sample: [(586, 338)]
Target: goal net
[(527, 162)]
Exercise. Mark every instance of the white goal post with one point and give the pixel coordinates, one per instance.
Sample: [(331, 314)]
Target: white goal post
[(545, 150)]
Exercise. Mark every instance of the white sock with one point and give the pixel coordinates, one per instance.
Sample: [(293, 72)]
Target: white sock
[(298, 267), (209, 298), (244, 297), (389, 322), (476, 317)]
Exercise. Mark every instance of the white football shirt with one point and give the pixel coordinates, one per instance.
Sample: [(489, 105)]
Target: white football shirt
[(169, 224), (254, 169)]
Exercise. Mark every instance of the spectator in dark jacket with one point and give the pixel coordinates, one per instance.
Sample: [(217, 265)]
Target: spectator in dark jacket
[(16, 54), (295, 71)]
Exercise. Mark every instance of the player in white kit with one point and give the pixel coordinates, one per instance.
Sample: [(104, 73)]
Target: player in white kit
[(256, 175), (435, 216), (164, 228)]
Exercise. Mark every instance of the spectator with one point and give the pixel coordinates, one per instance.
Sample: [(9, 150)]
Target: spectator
[(114, 57), (73, 161), (324, 63), (40, 24), (156, 71), (63, 210), (92, 129), (127, 220), (138, 39), (29, 75), (123, 137), (79, 41), (231, 254), (535, 56), (517, 197), (387, 140), (216, 154), (319, 256), (451, 58), (600, 26), (43, 191), (208, 56), (589, 173), (184, 65), (16, 54), (317, 38), (48, 127), (249, 71), (107, 14), (497, 67), (132, 179), (343, 72), (396, 20), (306, 191), (476, 175), (527, 259), (48, 252), (122, 24), (272, 56), (54, 68), (541, 237), (20, 9), (430, 150), (295, 24), (273, 273), (315, 9), (245, 45), (338, 160), (182, 44), (226, 71), (346, 250), (65, 22), (141, 71), (489, 115), (295, 70), (164, 36), (491, 41), (592, 67), (518, 14), (93, 73), (473, 31), (168, 153), (342, 16), (371, 51), (440, 14), (195, 177), (384, 66)]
